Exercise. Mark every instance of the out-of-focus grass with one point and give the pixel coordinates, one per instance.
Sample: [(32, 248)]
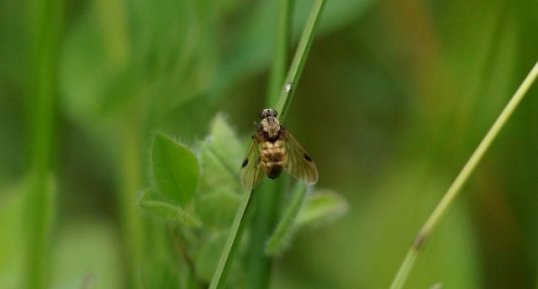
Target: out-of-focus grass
[(394, 97), (456, 186)]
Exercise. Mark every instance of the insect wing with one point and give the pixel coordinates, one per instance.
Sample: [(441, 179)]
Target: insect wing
[(251, 170), (298, 163)]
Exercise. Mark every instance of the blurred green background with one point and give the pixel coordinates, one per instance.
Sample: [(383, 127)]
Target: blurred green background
[(394, 97)]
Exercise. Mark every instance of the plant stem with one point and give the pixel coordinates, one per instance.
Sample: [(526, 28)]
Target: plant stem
[(45, 26), (299, 60), (460, 180), (258, 263), (280, 58), (115, 28), (281, 235), (232, 242), (129, 184), (260, 272)]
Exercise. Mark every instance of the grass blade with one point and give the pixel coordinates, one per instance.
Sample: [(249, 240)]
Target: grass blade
[(463, 176), (233, 240), (45, 27), (299, 60), (282, 104), (286, 226), (280, 58), (258, 263)]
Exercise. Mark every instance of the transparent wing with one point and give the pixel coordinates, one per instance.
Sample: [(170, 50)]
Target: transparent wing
[(251, 170), (298, 162)]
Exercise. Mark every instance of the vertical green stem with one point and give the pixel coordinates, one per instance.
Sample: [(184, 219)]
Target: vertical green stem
[(285, 226), (280, 56), (128, 186), (45, 25), (114, 27), (460, 180), (260, 264), (297, 65), (232, 242)]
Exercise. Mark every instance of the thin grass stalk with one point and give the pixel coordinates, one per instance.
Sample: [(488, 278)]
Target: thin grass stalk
[(280, 56), (259, 264), (282, 106), (447, 200), (129, 183), (301, 54), (118, 53), (286, 224), (45, 19), (232, 242)]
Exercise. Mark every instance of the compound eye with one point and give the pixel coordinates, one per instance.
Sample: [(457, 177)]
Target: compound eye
[(265, 113)]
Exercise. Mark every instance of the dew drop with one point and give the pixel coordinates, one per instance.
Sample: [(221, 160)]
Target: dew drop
[(287, 87)]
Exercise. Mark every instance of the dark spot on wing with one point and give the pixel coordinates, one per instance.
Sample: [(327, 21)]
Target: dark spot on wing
[(307, 157), (245, 162)]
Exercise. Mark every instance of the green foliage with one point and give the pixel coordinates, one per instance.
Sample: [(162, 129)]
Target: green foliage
[(221, 155), (217, 209), (296, 69), (175, 169), (11, 234), (456, 186), (393, 99), (167, 211), (280, 238), (318, 207), (218, 195), (86, 256), (176, 172), (216, 198), (208, 256), (322, 206)]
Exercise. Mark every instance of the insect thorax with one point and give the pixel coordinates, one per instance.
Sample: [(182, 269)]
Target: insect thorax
[(270, 127)]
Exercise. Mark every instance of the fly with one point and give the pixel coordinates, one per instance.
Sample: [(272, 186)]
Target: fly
[(272, 150)]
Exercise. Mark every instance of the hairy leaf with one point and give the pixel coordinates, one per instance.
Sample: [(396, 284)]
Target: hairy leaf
[(175, 169)]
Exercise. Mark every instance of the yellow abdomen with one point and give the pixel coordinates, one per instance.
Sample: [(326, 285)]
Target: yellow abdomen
[(272, 157)]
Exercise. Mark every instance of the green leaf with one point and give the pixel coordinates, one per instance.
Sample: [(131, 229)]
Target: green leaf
[(324, 205), (225, 144), (282, 235), (221, 156), (175, 169), (151, 203)]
